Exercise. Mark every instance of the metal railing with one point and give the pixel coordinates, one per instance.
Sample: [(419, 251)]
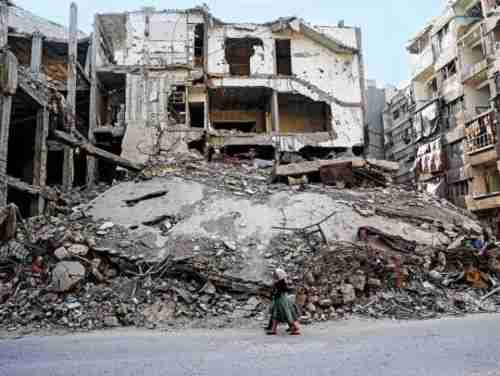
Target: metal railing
[(480, 142)]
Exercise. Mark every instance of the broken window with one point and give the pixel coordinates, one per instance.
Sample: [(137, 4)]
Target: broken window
[(199, 39), (238, 53), (449, 70), (177, 104), (197, 114), (284, 57), (432, 87), (299, 114), (240, 109)]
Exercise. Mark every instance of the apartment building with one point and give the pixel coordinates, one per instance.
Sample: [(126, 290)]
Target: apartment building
[(146, 82), (180, 75), (449, 128)]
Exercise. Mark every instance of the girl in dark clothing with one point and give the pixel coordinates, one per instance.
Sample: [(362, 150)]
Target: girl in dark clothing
[(282, 310)]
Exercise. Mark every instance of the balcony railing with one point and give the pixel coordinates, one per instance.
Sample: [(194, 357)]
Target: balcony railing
[(481, 132), (473, 72), (423, 61), (480, 142)]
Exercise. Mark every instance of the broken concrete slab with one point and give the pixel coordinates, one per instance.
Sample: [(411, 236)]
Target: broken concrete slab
[(309, 167), (67, 274), (208, 215)]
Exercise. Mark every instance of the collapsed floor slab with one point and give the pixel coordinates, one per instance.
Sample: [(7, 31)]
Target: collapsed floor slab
[(246, 224)]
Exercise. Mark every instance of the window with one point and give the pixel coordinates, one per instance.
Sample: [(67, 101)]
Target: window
[(432, 86), (199, 40), (449, 70), (450, 112), (456, 155), (284, 57), (441, 39), (459, 189), (238, 53)]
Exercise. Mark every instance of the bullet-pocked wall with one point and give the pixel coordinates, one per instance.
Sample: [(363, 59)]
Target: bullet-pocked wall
[(318, 73)]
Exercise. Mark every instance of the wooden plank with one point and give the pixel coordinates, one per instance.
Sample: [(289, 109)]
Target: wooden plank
[(40, 158), (95, 151), (68, 167), (22, 186), (91, 162)]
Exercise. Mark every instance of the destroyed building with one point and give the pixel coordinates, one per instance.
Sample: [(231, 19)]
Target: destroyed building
[(44, 85), (182, 75), (151, 81), (442, 125)]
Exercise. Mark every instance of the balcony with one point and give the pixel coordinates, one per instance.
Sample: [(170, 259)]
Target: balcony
[(475, 74), (483, 202), (422, 65), (481, 139)]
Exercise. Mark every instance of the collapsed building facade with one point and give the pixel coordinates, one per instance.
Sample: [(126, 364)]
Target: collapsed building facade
[(149, 81), (441, 126), (44, 85), (182, 75)]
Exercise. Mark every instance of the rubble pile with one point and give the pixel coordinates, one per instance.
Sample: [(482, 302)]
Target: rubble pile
[(210, 234), (356, 278)]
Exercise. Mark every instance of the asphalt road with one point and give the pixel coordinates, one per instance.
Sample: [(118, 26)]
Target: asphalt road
[(465, 346)]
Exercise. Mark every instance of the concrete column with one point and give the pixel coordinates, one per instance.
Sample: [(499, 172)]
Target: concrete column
[(40, 158), (36, 53), (91, 161), (4, 23), (5, 109), (207, 110), (186, 108), (69, 168), (275, 112)]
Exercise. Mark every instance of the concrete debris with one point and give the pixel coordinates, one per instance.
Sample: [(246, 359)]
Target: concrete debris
[(8, 222), (78, 249), (202, 253), (66, 275)]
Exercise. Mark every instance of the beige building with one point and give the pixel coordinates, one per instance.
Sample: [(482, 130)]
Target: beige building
[(450, 126)]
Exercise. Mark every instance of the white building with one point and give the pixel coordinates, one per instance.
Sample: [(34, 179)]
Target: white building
[(182, 73)]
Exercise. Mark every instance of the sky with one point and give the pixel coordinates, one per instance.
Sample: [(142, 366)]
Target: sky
[(386, 24)]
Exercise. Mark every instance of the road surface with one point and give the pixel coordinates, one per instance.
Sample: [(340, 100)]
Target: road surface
[(451, 347)]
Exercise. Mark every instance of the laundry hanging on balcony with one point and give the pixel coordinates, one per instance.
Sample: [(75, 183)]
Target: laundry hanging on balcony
[(430, 158)]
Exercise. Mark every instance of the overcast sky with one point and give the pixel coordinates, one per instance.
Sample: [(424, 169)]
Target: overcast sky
[(386, 24)]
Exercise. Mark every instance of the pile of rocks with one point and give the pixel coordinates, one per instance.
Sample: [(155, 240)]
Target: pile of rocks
[(348, 278), (76, 272)]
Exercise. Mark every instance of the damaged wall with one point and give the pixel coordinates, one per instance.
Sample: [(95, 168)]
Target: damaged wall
[(153, 38), (346, 121), (333, 72)]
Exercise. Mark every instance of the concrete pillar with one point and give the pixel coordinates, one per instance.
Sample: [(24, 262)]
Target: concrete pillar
[(275, 112), (91, 161), (5, 109), (36, 53), (40, 158), (207, 111), (4, 23), (69, 168)]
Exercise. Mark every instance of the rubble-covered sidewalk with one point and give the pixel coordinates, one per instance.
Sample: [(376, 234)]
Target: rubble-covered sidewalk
[(192, 243)]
